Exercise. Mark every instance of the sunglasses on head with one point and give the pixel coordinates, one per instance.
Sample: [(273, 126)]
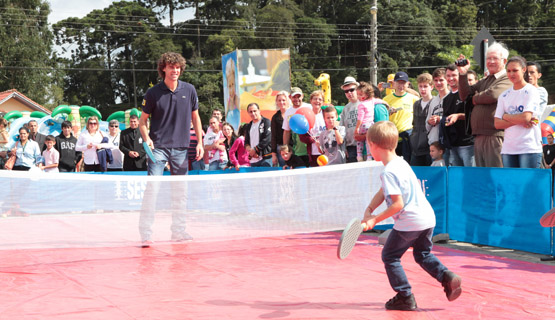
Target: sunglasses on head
[(349, 90)]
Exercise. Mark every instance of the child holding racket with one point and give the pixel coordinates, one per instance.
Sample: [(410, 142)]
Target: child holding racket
[(414, 220)]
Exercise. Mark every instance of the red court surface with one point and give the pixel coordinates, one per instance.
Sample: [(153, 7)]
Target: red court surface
[(291, 277)]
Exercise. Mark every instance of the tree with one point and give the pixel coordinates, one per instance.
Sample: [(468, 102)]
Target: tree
[(169, 6), (26, 57), (116, 53)]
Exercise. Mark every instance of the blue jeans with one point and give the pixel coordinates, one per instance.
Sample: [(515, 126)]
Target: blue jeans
[(460, 156), (178, 205), (262, 163), (198, 165), (216, 165), (176, 157), (397, 244), (525, 160), (179, 165)]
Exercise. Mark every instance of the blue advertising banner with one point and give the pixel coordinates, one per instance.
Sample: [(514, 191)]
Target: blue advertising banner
[(500, 207)]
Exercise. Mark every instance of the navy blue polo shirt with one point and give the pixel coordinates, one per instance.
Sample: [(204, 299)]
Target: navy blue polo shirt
[(170, 114)]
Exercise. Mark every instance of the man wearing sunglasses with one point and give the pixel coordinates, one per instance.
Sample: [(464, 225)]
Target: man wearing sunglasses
[(349, 117), (114, 140)]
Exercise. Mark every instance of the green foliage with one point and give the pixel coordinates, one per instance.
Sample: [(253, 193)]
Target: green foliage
[(451, 54), (26, 59), (109, 46), (115, 45)]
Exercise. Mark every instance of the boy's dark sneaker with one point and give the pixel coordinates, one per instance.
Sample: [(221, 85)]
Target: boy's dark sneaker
[(451, 285), (401, 303)]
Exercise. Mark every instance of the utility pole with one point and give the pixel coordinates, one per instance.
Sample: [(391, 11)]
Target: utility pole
[(374, 44)]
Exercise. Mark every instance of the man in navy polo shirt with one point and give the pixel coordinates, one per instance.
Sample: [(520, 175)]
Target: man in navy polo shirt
[(171, 105)]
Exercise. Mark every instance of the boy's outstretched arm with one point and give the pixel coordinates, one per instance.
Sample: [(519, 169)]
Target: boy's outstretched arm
[(376, 201), (397, 204)]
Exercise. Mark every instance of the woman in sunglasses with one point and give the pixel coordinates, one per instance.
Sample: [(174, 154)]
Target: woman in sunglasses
[(88, 142)]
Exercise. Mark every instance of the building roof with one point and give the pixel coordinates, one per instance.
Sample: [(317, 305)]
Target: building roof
[(13, 93)]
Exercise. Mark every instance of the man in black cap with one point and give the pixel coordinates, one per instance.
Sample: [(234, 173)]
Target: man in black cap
[(401, 102)]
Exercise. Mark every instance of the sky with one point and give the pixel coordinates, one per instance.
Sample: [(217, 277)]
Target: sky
[(62, 9)]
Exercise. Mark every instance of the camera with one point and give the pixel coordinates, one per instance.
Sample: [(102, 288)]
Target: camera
[(461, 62), (386, 85)]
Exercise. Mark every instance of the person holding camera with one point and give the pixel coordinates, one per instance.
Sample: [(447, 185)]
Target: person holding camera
[(488, 140)]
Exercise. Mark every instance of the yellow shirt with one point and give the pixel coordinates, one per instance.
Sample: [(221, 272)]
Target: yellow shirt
[(402, 118)]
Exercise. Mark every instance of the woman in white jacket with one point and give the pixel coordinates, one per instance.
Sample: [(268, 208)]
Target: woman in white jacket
[(88, 142)]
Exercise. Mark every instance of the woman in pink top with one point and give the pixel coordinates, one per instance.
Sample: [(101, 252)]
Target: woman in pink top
[(242, 159)]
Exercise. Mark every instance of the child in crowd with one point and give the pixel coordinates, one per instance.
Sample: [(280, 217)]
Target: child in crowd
[(214, 146), (51, 156), (65, 144), (419, 137), (238, 147), (414, 220), (331, 141), (291, 161), (365, 113), (436, 152)]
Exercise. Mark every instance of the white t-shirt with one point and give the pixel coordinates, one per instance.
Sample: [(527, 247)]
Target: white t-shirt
[(289, 113), (399, 179), (214, 155), (254, 135), (519, 139), (317, 129)]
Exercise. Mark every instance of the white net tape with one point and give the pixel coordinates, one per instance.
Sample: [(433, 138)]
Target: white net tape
[(89, 210)]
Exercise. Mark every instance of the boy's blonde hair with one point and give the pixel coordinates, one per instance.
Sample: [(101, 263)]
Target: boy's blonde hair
[(384, 134), (286, 148), (425, 78)]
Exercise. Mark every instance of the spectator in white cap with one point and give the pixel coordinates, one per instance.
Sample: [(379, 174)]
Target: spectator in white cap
[(401, 102), (349, 117), (290, 138)]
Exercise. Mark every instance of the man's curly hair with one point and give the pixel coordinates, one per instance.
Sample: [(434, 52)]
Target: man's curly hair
[(170, 58)]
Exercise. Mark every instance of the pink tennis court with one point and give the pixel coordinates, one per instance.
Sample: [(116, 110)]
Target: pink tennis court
[(286, 277), (264, 248)]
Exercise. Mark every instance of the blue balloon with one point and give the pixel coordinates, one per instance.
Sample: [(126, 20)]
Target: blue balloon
[(299, 124)]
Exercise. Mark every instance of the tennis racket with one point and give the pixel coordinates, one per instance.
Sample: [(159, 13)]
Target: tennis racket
[(149, 152), (548, 219), (349, 238)]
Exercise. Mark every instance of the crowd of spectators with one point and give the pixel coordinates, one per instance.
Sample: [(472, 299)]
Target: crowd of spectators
[(452, 119)]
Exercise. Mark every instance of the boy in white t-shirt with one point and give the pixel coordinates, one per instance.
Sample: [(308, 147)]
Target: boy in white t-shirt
[(51, 155), (414, 220)]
